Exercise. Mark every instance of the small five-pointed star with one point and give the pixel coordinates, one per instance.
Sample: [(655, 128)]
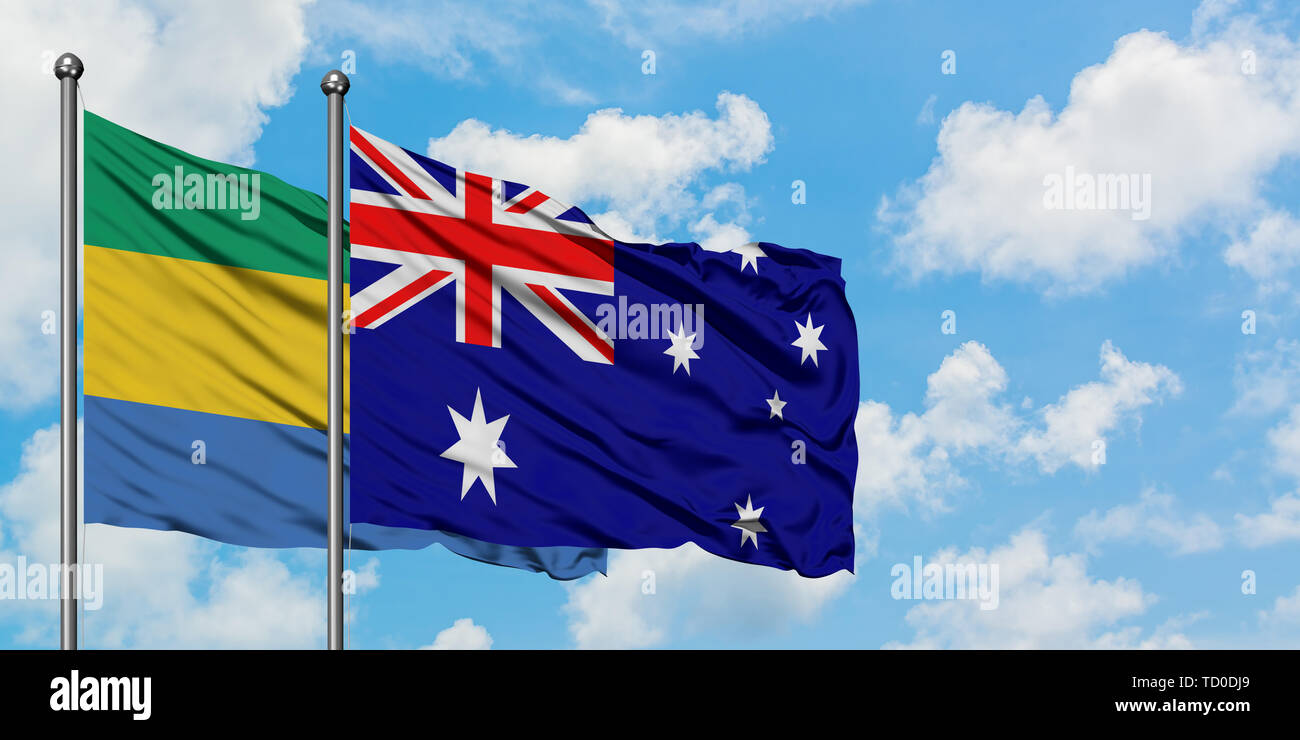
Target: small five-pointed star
[(477, 448), (681, 351), (748, 523), (809, 340), (775, 404)]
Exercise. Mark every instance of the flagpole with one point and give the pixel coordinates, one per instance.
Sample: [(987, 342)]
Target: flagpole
[(335, 85), (68, 69)]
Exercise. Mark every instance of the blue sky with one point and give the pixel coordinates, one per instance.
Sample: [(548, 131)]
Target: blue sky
[(976, 446)]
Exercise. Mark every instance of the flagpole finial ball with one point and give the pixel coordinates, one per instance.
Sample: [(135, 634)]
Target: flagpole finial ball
[(68, 65), (335, 81)]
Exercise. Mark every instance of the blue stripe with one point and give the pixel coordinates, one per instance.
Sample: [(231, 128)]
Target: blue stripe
[(261, 485)]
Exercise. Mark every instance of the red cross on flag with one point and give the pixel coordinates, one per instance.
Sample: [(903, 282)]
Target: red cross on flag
[(442, 227)]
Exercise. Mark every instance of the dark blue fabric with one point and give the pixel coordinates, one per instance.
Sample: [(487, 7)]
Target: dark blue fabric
[(631, 455), (364, 178)]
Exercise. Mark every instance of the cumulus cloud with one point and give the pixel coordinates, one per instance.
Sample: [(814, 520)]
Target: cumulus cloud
[(252, 601), (1284, 440), (463, 634), (652, 596), (1269, 252), (160, 589), (1089, 412), (1046, 602), (1152, 519), (644, 168), (716, 236), (909, 459), (898, 463), (445, 37), (1267, 380), (1156, 108), (142, 63), (1284, 613), (1281, 523), (1168, 635)]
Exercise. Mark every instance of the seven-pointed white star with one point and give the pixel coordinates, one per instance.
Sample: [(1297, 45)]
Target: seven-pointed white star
[(477, 448), (809, 340), (749, 254), (748, 523), (776, 404), (681, 351)]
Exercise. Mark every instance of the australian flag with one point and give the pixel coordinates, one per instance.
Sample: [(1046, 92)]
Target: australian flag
[(521, 378)]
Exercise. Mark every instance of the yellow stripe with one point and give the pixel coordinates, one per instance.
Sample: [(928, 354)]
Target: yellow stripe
[(204, 337)]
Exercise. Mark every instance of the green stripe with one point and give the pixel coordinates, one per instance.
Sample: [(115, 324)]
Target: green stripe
[(125, 172)]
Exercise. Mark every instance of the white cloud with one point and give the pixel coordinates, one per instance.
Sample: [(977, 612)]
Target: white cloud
[(671, 21), (450, 39), (1046, 602), (1091, 411), (1269, 252), (1285, 611), (731, 234), (926, 116), (447, 38), (960, 411), (616, 226), (910, 459), (254, 601), (1281, 523), (160, 589), (1284, 439), (1151, 519), (1153, 107), (643, 167), (693, 593), (714, 236), (1168, 635), (196, 75), (367, 576), (897, 463), (463, 634), (1268, 380), (566, 91)]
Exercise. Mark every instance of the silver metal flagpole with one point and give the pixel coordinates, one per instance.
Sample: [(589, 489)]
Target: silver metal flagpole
[(335, 85), (68, 69)]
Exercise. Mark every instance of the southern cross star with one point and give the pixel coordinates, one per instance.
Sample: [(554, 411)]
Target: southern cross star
[(681, 351), (748, 523), (809, 340), (749, 254), (775, 404), (477, 448)]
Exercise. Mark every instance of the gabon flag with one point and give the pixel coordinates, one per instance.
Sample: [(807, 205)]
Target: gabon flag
[(205, 356)]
